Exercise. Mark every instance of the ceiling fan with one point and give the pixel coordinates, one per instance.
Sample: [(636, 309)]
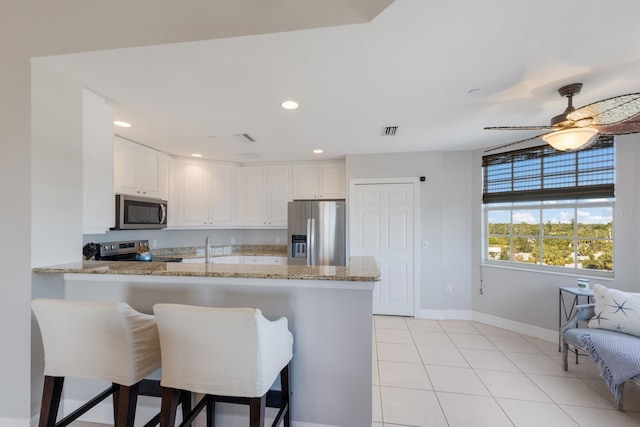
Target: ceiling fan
[(576, 129)]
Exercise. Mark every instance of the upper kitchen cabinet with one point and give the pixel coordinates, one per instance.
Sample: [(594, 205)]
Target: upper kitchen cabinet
[(206, 194), (97, 158), (139, 170), (319, 181), (266, 192)]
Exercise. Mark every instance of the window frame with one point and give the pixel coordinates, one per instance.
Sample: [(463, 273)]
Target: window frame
[(543, 200), (575, 205)]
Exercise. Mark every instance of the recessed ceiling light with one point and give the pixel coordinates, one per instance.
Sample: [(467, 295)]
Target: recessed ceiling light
[(122, 124), (196, 155), (289, 104), (318, 151)]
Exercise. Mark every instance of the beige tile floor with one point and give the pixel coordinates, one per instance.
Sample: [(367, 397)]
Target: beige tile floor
[(459, 373)]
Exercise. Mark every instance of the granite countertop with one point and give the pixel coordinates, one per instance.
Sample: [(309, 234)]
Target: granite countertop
[(360, 269)]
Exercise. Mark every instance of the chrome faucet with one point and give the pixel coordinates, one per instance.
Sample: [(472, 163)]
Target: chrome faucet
[(207, 250)]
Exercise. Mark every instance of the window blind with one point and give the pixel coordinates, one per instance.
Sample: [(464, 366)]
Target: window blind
[(544, 173)]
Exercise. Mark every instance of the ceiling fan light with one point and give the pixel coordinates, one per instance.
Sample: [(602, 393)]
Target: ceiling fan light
[(571, 139)]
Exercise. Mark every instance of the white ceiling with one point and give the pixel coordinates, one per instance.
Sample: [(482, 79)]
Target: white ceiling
[(416, 65)]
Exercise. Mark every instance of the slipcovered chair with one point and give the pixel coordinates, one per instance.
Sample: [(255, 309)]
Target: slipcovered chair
[(228, 355), (611, 338), (101, 340)]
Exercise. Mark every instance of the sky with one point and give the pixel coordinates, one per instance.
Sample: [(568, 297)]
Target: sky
[(586, 215)]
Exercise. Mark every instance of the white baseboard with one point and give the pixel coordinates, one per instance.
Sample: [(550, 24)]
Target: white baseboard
[(445, 314), (498, 322), (14, 422)]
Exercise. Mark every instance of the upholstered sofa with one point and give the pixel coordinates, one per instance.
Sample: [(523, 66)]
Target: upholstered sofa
[(611, 337)]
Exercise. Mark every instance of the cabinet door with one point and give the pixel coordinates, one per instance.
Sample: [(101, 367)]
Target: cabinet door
[(331, 181), (280, 191), (147, 168), (305, 181), (255, 205), (125, 167), (223, 195), (194, 195), (137, 169)]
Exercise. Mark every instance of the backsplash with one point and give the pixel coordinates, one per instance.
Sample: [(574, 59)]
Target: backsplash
[(193, 238)]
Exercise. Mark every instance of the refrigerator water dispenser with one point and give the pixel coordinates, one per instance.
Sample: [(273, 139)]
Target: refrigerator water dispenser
[(298, 246)]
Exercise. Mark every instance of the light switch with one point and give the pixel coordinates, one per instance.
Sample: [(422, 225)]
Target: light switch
[(425, 244)]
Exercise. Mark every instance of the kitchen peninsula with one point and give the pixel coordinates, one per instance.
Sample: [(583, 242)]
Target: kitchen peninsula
[(329, 310)]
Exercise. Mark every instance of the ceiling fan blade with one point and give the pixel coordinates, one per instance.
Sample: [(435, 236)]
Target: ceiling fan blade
[(624, 127), (513, 143), (547, 127), (607, 111)]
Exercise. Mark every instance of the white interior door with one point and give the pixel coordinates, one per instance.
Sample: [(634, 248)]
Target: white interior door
[(382, 226)]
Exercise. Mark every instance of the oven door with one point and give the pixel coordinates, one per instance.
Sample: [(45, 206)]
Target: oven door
[(140, 213)]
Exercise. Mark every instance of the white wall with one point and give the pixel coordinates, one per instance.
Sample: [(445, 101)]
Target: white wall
[(15, 227), (56, 141), (446, 212)]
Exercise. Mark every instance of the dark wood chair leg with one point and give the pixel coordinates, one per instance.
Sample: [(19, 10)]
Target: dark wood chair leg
[(116, 401), (256, 411), (185, 404), (286, 393), (211, 413), (169, 406), (127, 398), (51, 394)]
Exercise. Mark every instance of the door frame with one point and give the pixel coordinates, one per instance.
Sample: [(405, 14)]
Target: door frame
[(416, 224)]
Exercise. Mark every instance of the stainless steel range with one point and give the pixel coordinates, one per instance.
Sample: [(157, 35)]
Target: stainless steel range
[(126, 251)]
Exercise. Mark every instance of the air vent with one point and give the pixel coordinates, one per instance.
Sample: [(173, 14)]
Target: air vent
[(389, 130), (244, 137)]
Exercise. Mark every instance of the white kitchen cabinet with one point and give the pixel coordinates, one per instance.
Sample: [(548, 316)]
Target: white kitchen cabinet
[(240, 259), (206, 194), (266, 192), (98, 210), (231, 259), (263, 260), (319, 181), (138, 170)]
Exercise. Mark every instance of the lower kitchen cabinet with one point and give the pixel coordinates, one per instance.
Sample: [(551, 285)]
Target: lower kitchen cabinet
[(241, 259)]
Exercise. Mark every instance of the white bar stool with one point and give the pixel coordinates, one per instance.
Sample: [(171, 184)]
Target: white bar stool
[(228, 354), (101, 340)]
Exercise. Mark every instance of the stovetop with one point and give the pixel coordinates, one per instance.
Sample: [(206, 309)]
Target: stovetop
[(126, 251), (119, 250)]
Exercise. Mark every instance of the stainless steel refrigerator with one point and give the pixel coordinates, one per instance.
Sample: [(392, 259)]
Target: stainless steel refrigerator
[(317, 233)]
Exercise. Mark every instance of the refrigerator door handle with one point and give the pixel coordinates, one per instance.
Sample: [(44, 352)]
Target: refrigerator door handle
[(309, 241), (312, 243)]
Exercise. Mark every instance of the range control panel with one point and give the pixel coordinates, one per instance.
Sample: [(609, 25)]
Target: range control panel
[(119, 248)]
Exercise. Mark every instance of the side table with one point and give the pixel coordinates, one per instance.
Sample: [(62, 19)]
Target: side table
[(564, 314)]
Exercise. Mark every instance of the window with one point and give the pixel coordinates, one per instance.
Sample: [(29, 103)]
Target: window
[(550, 209)]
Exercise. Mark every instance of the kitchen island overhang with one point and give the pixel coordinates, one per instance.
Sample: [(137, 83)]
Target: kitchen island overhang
[(329, 311)]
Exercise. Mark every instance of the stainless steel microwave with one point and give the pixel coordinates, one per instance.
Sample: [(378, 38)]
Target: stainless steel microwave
[(140, 213)]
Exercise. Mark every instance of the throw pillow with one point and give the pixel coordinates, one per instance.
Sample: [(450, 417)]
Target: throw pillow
[(616, 310)]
